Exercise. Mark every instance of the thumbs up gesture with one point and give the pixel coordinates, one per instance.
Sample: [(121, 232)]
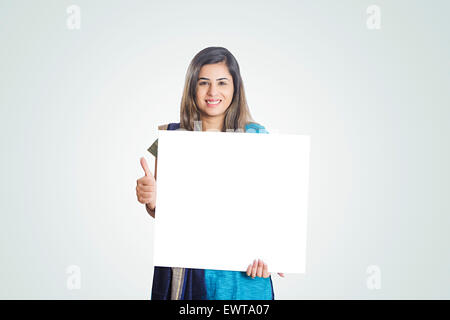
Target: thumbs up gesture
[(146, 187)]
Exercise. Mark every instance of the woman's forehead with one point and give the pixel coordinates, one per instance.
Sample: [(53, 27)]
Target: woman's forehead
[(218, 70)]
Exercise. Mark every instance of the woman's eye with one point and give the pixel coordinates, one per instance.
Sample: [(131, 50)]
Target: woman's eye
[(222, 83)]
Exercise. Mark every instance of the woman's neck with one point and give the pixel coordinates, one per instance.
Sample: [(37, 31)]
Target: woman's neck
[(212, 123)]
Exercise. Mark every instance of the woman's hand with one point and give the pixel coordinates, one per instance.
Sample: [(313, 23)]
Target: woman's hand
[(259, 269), (146, 187)]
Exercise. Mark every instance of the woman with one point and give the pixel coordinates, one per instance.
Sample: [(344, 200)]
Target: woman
[(213, 100)]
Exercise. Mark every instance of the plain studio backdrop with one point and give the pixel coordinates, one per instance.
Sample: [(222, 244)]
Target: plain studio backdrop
[(80, 106)]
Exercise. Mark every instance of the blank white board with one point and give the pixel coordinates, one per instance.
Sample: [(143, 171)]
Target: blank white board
[(227, 198)]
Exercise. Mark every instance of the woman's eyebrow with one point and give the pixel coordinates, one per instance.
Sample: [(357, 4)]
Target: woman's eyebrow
[(202, 78)]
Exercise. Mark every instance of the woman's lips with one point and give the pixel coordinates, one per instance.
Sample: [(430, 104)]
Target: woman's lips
[(213, 104)]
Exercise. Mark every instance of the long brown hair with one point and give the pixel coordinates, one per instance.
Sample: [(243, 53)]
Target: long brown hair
[(237, 114)]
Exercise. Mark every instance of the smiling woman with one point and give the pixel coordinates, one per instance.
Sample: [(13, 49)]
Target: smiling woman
[(212, 76), (213, 97)]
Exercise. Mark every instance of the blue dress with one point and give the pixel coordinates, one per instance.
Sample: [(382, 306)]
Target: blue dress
[(236, 285), (199, 284)]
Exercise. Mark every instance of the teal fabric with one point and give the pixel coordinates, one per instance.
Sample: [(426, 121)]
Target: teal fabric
[(254, 127), (236, 285)]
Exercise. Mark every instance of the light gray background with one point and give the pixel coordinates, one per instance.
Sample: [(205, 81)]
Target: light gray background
[(79, 107)]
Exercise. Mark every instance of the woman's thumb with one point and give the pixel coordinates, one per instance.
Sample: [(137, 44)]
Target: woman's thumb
[(145, 167)]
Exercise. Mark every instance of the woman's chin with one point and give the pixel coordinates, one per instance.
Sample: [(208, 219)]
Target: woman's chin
[(213, 113)]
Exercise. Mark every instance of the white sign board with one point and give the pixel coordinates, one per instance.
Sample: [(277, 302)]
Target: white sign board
[(227, 198)]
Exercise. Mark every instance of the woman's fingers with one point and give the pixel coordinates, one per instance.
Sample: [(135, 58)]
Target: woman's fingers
[(254, 268), (249, 270), (259, 271), (144, 166), (146, 186), (266, 272)]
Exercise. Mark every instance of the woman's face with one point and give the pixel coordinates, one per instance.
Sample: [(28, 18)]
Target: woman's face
[(214, 89)]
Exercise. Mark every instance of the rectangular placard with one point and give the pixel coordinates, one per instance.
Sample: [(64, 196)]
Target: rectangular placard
[(227, 198)]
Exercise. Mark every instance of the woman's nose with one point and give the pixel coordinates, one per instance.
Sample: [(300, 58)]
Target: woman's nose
[(212, 89)]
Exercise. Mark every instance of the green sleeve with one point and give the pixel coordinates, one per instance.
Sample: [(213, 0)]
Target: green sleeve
[(153, 149)]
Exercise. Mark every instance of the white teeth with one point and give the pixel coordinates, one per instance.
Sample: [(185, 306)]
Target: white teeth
[(213, 102)]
